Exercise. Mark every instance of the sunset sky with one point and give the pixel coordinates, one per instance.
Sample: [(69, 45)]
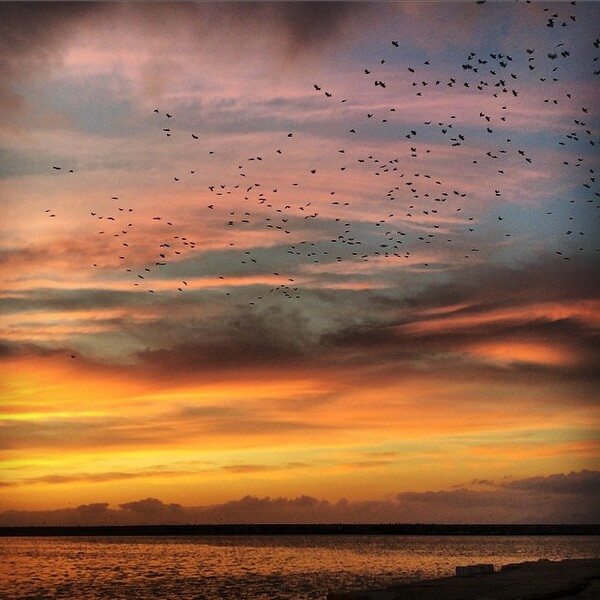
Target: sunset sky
[(299, 261)]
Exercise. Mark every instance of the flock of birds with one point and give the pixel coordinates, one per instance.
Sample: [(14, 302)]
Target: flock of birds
[(421, 210)]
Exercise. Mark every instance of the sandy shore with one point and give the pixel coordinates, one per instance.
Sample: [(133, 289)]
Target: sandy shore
[(577, 579)]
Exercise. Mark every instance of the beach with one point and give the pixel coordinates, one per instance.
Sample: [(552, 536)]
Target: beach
[(541, 580)]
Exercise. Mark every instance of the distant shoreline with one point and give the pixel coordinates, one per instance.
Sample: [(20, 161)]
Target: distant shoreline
[(300, 529)]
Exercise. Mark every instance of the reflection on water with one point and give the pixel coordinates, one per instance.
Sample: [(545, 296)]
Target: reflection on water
[(251, 567)]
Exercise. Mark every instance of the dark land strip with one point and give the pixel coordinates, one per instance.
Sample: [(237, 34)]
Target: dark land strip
[(302, 529)]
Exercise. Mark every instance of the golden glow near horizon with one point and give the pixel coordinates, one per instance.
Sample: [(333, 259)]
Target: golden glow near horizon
[(243, 436), (354, 261)]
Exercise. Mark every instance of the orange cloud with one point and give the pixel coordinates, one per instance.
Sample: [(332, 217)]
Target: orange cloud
[(532, 450), (507, 352), (586, 311)]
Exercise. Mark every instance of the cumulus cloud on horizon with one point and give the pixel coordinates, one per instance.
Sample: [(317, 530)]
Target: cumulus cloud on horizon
[(559, 498)]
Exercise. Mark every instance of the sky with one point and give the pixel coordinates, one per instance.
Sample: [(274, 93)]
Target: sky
[(299, 262)]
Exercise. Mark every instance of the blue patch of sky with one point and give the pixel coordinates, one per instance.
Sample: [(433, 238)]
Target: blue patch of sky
[(557, 226), (15, 163), (97, 105)]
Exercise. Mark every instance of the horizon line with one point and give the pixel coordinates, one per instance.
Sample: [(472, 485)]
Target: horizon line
[(304, 529)]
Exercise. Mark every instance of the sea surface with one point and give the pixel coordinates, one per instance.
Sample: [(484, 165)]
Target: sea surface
[(252, 567)]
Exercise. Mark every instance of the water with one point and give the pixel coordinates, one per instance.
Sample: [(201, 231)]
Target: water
[(251, 567)]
